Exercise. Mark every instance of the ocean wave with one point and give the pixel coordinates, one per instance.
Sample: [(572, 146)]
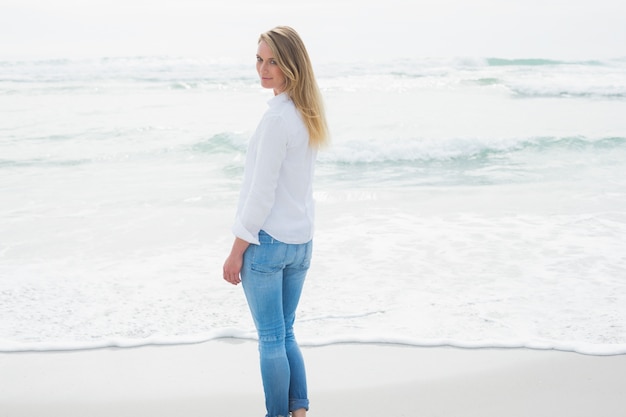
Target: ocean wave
[(535, 62), (457, 149), (361, 155), (423, 161), (385, 150), (80, 74), (8, 163), (194, 73), (520, 78), (569, 92), (225, 142)]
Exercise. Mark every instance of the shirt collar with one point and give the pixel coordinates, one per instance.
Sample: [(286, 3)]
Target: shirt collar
[(281, 98)]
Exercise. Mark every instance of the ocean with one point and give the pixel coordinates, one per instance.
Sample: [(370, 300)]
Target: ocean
[(469, 202)]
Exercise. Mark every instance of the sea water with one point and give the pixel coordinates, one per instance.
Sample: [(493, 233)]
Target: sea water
[(473, 202)]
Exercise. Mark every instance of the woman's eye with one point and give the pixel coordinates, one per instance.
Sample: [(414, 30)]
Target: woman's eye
[(258, 59)]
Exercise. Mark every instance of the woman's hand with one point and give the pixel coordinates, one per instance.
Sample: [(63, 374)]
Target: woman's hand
[(232, 268), (234, 262)]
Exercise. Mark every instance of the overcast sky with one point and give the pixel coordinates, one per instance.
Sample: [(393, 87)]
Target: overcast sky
[(332, 29)]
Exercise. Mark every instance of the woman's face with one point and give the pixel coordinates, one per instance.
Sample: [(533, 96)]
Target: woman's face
[(270, 74)]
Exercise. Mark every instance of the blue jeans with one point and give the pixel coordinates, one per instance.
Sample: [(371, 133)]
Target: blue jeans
[(272, 276)]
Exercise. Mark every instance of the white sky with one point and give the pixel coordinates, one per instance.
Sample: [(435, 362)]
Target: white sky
[(339, 29)]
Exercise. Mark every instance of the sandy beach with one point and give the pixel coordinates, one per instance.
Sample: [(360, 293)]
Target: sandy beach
[(221, 378)]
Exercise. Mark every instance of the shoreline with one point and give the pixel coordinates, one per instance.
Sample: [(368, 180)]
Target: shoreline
[(587, 349), (221, 378)]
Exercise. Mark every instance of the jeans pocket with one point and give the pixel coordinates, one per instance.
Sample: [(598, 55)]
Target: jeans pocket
[(308, 254), (269, 258)]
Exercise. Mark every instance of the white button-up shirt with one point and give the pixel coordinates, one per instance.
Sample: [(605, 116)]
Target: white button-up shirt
[(277, 189)]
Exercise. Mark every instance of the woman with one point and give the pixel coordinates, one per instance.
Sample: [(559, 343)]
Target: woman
[(274, 223)]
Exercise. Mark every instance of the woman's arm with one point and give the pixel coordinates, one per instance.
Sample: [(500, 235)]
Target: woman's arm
[(263, 173)]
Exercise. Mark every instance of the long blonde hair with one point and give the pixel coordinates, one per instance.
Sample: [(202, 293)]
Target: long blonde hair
[(300, 83)]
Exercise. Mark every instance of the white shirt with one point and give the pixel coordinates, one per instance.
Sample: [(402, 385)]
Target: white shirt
[(277, 189)]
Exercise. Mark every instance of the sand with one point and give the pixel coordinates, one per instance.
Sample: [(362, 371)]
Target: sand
[(221, 378)]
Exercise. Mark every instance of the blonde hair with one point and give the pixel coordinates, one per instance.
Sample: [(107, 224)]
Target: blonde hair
[(300, 84)]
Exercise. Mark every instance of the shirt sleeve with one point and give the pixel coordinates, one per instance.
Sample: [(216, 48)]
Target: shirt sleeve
[(265, 172)]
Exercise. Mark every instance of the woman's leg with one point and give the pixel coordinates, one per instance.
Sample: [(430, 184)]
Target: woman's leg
[(293, 281)]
